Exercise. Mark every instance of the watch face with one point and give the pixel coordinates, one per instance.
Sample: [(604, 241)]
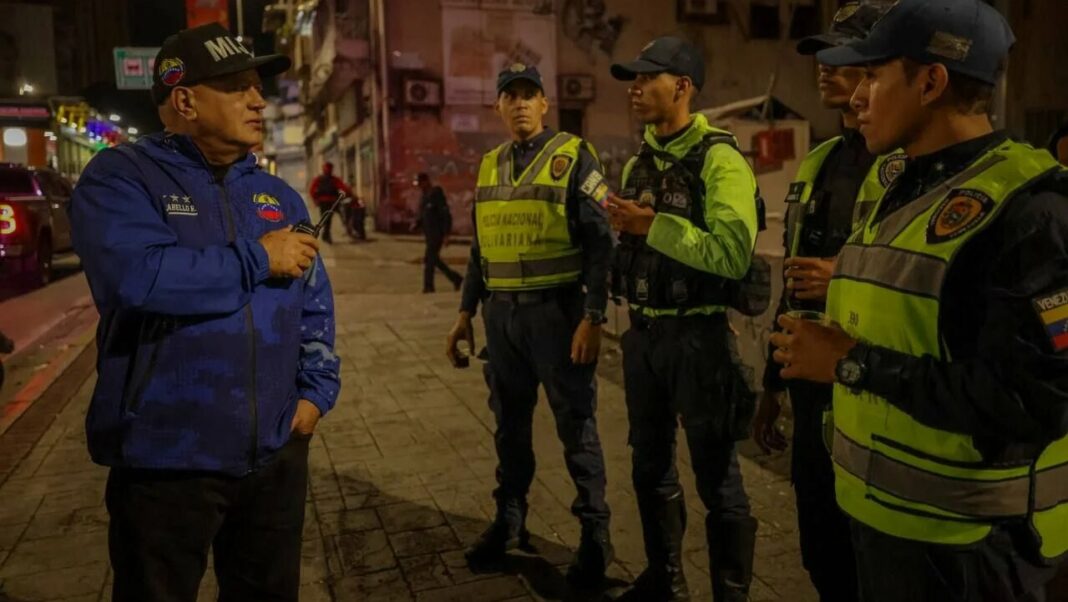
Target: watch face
[(849, 371)]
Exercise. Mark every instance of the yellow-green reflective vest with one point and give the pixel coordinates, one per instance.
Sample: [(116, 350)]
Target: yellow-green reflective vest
[(522, 223), (882, 173), (891, 472)]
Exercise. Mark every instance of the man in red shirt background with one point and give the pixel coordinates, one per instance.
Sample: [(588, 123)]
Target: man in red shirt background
[(324, 190)]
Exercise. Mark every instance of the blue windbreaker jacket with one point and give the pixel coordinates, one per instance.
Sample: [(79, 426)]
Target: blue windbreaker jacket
[(202, 356)]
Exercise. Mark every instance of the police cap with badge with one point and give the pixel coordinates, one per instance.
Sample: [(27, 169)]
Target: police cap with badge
[(518, 72), (969, 37), (194, 55)]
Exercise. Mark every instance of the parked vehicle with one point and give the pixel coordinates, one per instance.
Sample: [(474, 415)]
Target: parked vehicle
[(34, 222)]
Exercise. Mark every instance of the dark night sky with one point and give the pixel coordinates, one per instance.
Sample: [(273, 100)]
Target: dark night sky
[(151, 21)]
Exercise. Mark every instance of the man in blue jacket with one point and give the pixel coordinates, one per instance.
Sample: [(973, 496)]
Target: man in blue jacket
[(215, 341)]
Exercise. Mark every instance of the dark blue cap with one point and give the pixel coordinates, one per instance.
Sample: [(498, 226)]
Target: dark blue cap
[(516, 72), (852, 22), (665, 55), (969, 37)]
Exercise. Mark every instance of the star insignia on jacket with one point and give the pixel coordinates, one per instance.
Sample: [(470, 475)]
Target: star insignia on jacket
[(174, 198), (517, 68)]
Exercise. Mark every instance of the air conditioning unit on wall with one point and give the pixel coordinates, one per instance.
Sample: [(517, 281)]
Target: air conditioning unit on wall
[(577, 88), (422, 93)]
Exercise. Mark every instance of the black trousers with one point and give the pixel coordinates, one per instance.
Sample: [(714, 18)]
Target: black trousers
[(826, 541), (357, 218), (530, 344), (994, 570), (329, 220), (164, 522), (686, 367), (432, 260)]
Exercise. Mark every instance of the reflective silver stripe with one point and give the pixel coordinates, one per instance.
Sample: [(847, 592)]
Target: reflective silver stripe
[(543, 157), (895, 223), (793, 222), (1051, 487), (528, 192), (968, 497), (504, 163), (534, 267), (894, 268)]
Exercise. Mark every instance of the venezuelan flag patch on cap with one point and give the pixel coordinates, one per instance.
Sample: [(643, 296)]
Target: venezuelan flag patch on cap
[(1052, 309)]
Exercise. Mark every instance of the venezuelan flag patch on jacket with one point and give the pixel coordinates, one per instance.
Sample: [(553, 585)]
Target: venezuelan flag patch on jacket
[(1053, 311)]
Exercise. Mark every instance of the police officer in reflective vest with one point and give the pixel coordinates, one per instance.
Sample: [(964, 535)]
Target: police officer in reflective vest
[(688, 219), (837, 184), (950, 359), (541, 258)]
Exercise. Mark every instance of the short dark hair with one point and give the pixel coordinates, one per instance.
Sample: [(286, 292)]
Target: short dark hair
[(972, 96)]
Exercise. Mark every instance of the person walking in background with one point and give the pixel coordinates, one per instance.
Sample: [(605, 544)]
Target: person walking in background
[(324, 190), (436, 221)]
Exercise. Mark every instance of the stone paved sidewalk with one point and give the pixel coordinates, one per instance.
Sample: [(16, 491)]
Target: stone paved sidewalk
[(401, 474)]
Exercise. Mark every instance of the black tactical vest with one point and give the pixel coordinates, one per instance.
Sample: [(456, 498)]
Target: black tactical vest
[(648, 277)]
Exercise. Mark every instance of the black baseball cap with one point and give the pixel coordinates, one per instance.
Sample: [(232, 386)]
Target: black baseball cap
[(969, 37), (852, 22), (194, 55), (666, 54), (516, 72)]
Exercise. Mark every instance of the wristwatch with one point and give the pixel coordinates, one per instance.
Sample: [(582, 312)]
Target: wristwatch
[(852, 370), (596, 317)]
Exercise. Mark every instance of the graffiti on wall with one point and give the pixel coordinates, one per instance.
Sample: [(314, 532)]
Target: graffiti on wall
[(422, 143), (587, 24)]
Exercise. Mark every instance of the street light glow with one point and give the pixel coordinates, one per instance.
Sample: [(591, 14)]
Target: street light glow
[(115, 117), (131, 131), (27, 88)]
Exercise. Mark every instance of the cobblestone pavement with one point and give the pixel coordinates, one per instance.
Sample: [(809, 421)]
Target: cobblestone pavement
[(401, 474)]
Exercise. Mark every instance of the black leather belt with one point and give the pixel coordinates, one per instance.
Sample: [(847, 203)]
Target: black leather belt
[(531, 297)]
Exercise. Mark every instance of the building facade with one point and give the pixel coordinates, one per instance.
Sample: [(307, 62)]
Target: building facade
[(391, 88)]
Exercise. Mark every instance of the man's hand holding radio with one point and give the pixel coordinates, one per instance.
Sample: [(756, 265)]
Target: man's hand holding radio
[(289, 253)]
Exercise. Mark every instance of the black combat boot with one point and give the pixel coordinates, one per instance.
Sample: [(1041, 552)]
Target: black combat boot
[(730, 552), (663, 524), (594, 554), (507, 532)]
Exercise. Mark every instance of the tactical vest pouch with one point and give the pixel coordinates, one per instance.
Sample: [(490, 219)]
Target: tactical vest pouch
[(656, 281), (751, 296)]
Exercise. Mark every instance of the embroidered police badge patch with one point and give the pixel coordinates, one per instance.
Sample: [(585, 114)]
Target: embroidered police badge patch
[(559, 166), (960, 213), (892, 168), (1052, 310)]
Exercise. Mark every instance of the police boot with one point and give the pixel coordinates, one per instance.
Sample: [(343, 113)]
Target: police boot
[(594, 554), (730, 551), (663, 524), (507, 532)]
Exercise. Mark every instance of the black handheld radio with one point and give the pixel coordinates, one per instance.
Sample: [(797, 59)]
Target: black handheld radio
[(305, 227)]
